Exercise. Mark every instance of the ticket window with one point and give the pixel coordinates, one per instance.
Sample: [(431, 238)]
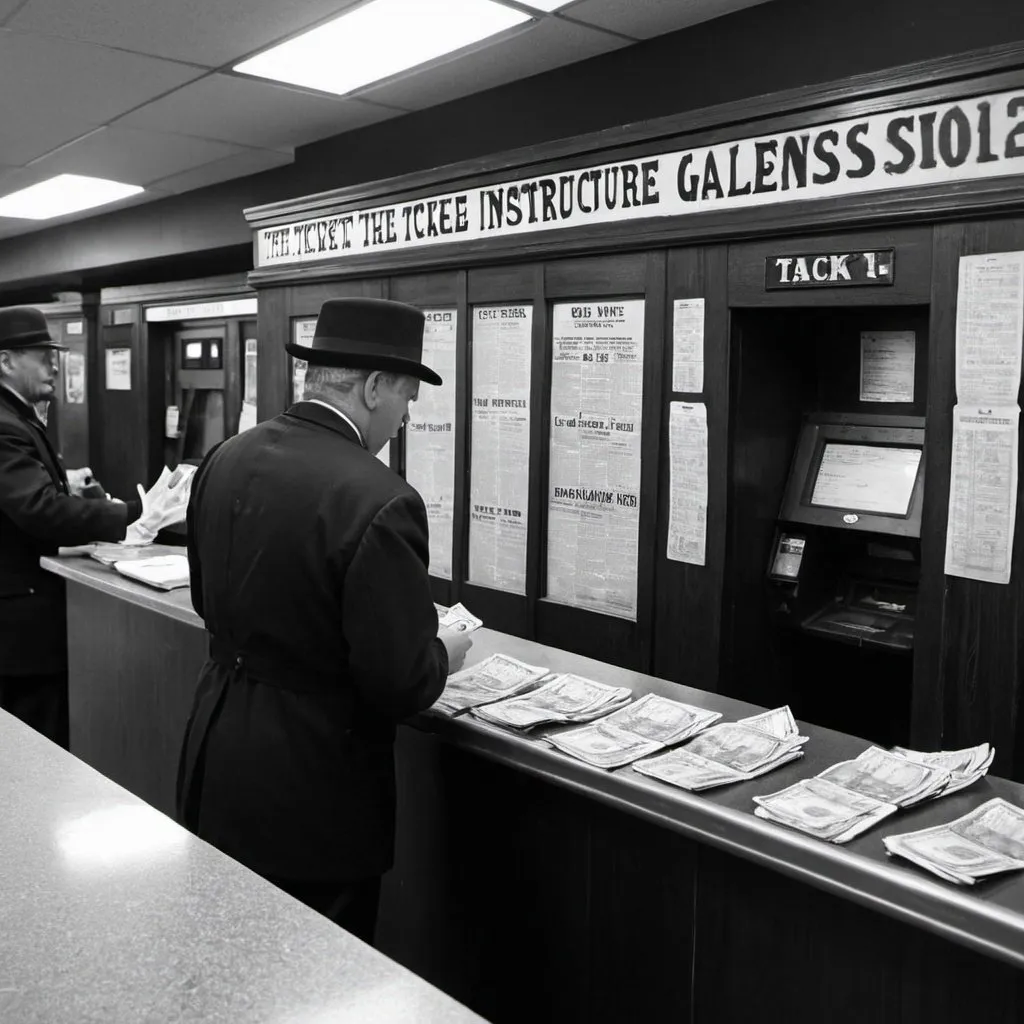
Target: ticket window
[(199, 391), (826, 486)]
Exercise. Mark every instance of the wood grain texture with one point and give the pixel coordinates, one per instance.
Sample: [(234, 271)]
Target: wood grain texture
[(132, 677)]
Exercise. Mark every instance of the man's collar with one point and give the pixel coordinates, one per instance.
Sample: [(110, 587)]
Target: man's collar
[(342, 420), (20, 402)]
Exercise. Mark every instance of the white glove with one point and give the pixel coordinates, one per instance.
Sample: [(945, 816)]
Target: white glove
[(165, 503)]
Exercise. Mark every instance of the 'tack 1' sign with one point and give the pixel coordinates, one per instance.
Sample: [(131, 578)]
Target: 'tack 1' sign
[(830, 270)]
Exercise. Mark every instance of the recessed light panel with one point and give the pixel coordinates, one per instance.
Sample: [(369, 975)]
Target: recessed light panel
[(378, 40), (66, 193)]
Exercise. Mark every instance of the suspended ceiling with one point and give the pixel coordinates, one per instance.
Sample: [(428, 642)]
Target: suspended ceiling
[(141, 91)]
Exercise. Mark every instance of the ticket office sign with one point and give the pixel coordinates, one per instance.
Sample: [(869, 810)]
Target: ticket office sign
[(830, 270), (977, 138)]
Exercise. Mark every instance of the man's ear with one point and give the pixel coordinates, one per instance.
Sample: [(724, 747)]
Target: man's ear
[(371, 394), (6, 362)]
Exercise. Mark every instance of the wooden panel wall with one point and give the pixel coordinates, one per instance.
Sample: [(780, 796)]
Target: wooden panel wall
[(967, 685)]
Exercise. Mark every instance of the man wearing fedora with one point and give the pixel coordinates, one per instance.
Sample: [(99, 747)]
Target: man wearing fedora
[(37, 515), (308, 562)]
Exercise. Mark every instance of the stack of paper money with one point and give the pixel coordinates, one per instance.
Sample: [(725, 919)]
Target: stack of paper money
[(851, 796), (563, 698), (964, 766), (730, 752), (988, 840), (458, 617), (496, 677), (637, 730)]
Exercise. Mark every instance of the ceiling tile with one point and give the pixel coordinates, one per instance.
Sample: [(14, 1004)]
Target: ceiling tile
[(643, 19), (212, 34), (243, 163), (133, 156), (64, 89), (546, 44), (254, 113), (11, 226)]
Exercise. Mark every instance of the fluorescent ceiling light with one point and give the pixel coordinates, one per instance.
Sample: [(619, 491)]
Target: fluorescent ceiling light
[(66, 193), (544, 5), (378, 40)]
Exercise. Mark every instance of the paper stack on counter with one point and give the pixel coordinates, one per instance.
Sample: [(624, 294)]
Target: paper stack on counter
[(108, 554), (458, 617), (965, 766), (165, 572), (987, 841), (849, 797), (637, 730), (730, 752), (564, 698), (495, 678)]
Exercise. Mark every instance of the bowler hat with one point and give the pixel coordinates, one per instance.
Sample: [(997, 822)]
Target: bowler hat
[(368, 334), (25, 327)]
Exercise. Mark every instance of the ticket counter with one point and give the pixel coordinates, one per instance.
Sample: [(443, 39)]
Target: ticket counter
[(531, 886), (640, 326)]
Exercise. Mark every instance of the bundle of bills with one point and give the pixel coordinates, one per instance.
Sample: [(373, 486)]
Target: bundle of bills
[(564, 698), (729, 752), (964, 766), (823, 809), (496, 677), (639, 729), (988, 840), (458, 617), (888, 777)]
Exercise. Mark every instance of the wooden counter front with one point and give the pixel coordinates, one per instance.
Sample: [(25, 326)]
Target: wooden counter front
[(532, 886)]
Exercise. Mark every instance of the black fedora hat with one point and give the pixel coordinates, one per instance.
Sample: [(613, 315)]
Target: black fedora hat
[(368, 334), (25, 327)]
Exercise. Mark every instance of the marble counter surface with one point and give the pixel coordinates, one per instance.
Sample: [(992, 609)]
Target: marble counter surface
[(112, 914)]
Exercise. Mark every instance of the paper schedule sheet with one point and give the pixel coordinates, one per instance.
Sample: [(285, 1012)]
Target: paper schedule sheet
[(688, 346), (688, 482), (594, 469), (500, 447)]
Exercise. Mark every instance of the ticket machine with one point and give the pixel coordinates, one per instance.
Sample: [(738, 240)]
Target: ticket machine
[(845, 559)]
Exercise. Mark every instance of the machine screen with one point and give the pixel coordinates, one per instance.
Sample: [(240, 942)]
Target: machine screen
[(866, 478)]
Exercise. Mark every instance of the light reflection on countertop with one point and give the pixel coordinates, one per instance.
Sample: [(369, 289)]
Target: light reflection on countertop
[(110, 913)]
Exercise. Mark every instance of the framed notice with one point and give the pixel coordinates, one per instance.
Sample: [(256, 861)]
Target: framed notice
[(430, 438), (594, 476), (302, 334), (74, 377), (119, 369), (499, 490)]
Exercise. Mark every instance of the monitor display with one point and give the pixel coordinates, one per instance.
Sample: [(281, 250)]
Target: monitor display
[(866, 478)]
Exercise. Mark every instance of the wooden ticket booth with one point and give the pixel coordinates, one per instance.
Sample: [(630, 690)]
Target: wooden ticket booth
[(675, 357), (176, 374)]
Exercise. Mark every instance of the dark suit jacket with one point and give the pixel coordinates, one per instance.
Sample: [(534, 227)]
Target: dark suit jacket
[(38, 515), (309, 565)]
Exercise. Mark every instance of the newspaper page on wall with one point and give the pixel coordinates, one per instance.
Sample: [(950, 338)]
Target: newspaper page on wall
[(500, 446), (430, 438), (688, 346), (688, 482), (983, 470), (594, 471), (887, 366), (982, 492)]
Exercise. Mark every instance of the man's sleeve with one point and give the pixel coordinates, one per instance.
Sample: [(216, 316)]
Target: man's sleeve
[(195, 568), (29, 498), (396, 661)]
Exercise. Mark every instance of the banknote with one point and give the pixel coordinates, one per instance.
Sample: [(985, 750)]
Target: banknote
[(887, 777), (822, 808), (459, 618), (779, 722), (740, 747), (603, 744)]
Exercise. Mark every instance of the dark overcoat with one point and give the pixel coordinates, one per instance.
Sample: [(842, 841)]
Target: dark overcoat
[(38, 515), (308, 561)]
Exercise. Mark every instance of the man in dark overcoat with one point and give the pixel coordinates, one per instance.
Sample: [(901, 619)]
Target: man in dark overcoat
[(38, 514), (308, 561)]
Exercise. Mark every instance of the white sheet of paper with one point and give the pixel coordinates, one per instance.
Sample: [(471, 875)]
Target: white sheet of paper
[(982, 492), (302, 334), (430, 438), (688, 482), (499, 491), (594, 469), (119, 369), (887, 366), (688, 345), (989, 328)]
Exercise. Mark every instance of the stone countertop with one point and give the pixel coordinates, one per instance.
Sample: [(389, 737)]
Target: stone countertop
[(988, 917), (110, 913)]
